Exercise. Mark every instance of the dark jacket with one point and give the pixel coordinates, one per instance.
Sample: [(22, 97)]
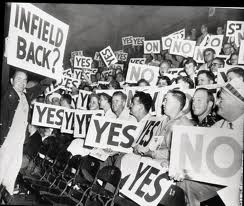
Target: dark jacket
[(9, 103)]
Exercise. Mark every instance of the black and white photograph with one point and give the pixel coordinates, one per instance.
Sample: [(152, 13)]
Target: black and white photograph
[(106, 104)]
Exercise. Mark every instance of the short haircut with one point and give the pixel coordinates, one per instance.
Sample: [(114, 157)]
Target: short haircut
[(187, 80), (220, 60), (167, 79), (237, 70), (190, 60), (106, 96), (121, 94), (209, 74), (209, 49), (93, 95), (143, 81), (180, 96), (144, 99), (209, 93), (18, 70), (115, 84), (67, 98)]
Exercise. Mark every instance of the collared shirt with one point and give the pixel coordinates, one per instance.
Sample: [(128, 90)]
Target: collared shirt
[(208, 121)]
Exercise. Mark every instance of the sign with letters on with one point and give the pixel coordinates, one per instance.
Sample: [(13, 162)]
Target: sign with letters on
[(68, 121), (182, 47), (83, 99), (108, 56), (137, 60), (128, 40), (141, 71), (167, 40), (212, 155), (138, 41), (233, 27), (82, 62), (116, 134), (82, 120), (52, 88), (36, 40), (47, 115), (152, 47), (121, 56), (146, 184)]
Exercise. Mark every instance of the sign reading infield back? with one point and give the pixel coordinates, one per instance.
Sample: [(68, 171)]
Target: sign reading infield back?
[(142, 71), (36, 40)]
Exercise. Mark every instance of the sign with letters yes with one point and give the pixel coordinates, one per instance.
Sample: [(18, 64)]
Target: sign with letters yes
[(108, 56)]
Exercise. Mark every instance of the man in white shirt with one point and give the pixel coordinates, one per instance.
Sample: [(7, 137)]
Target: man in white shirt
[(119, 107)]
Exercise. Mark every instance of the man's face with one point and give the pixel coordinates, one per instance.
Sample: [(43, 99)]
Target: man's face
[(118, 103), (103, 102), (203, 29), (19, 81), (164, 67), (227, 49), (119, 78), (93, 104), (216, 64), (170, 104), (135, 106), (193, 31), (234, 60), (208, 56), (224, 102), (203, 79), (190, 69), (232, 75), (162, 83), (200, 102)]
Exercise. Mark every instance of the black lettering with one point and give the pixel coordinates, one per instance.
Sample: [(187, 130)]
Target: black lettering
[(51, 35), (113, 133), (59, 114), (41, 113), (33, 24), (45, 58), (45, 30), (129, 137), (59, 37), (39, 48), (30, 55), (50, 114), (21, 46), (24, 20), (99, 129)]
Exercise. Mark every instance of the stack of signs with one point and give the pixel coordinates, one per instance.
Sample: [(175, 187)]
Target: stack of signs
[(167, 40), (108, 56), (152, 47), (36, 45)]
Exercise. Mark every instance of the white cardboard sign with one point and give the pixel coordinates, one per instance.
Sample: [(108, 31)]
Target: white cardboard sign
[(138, 41), (212, 155), (141, 71), (182, 47), (137, 60), (83, 99), (36, 40), (128, 40), (234, 26), (82, 62), (116, 134), (108, 56), (152, 47)]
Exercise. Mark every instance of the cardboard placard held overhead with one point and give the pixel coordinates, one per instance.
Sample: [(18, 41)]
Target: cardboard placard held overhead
[(138, 41), (83, 99), (128, 40), (212, 155), (137, 60), (146, 184), (121, 56), (167, 40), (36, 40), (82, 120), (82, 62), (46, 115), (108, 56), (234, 26), (141, 71), (76, 53), (241, 53), (116, 134), (152, 47), (69, 82), (182, 47), (52, 88), (117, 66)]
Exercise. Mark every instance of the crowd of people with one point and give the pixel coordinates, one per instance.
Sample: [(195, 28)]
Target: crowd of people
[(21, 141)]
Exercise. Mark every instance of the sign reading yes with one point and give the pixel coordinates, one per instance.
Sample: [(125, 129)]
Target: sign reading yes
[(82, 120), (139, 71), (83, 99), (138, 41), (211, 155), (47, 115), (82, 62), (116, 134), (127, 40), (108, 56)]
